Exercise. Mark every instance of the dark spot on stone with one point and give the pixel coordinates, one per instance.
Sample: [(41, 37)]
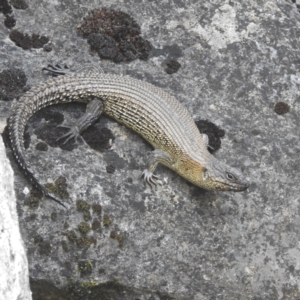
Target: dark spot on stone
[(33, 201), (41, 146), (54, 216), (65, 246), (9, 21), (44, 248), (129, 180), (172, 66), (117, 236), (85, 268), (114, 35), (106, 220), (66, 225), (255, 132), (96, 224), (281, 108), (82, 205), (59, 187), (19, 4), (110, 169), (12, 83), (32, 217), (47, 47), (97, 209), (213, 132), (98, 139), (38, 239), (26, 41), (5, 8)]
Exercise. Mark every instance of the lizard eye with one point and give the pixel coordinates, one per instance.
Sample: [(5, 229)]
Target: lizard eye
[(230, 176)]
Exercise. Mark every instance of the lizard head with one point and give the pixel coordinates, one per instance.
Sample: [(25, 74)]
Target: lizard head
[(220, 177)]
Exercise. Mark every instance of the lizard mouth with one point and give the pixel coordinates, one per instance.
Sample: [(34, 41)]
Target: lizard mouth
[(233, 186)]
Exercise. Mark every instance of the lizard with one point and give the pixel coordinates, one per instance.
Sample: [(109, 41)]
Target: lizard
[(148, 110)]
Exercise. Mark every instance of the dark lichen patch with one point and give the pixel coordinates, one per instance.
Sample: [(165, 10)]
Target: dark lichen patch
[(5, 7), (12, 83), (41, 146), (71, 235), (98, 139), (172, 66), (85, 268), (34, 199), (114, 35), (213, 132), (106, 220), (84, 228), (44, 248), (51, 134), (42, 289), (59, 187), (33, 217), (54, 216), (85, 241), (118, 237), (19, 4), (38, 239), (26, 41), (66, 225), (96, 225), (50, 116), (65, 246), (97, 209), (9, 21), (87, 216), (82, 205), (110, 169), (281, 108)]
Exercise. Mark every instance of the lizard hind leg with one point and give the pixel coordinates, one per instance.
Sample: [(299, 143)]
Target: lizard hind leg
[(93, 111)]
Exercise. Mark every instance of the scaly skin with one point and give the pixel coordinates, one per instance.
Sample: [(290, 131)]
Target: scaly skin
[(155, 115)]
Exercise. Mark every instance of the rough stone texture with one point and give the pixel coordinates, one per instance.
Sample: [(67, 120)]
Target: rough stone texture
[(238, 58), (14, 281)]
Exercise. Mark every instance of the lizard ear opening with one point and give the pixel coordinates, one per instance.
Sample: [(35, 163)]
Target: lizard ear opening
[(205, 173)]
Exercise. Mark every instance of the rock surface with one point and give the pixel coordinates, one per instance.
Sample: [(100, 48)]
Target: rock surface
[(14, 281), (238, 59)]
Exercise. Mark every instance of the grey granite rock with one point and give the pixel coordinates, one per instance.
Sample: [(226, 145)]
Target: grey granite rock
[(238, 59), (14, 281)]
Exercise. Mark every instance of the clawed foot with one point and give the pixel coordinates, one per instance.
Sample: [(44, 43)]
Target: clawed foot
[(149, 177), (56, 70), (73, 133)]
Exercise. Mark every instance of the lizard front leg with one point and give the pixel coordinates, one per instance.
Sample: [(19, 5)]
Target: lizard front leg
[(157, 156)]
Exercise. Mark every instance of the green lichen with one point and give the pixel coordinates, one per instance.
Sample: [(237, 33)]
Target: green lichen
[(96, 224), (84, 228), (85, 267), (87, 216), (54, 216), (71, 235), (85, 241), (106, 220), (59, 187), (82, 205)]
